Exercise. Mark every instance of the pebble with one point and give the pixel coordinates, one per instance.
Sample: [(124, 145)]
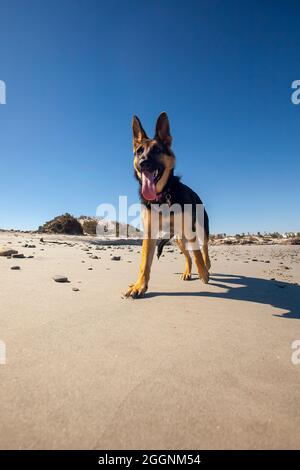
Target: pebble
[(115, 258), (60, 279), (18, 255), (15, 268), (75, 289), (7, 252)]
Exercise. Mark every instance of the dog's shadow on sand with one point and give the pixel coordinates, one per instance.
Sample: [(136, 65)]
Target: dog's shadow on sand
[(278, 294)]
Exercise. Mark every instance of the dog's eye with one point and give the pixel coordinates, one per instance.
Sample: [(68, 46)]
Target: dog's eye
[(140, 150)]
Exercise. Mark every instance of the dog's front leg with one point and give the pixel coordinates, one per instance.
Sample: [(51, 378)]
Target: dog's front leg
[(150, 228), (140, 287)]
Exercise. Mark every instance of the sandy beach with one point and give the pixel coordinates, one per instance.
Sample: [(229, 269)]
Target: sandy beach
[(189, 366)]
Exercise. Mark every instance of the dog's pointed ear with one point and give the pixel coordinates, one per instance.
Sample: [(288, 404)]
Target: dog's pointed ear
[(162, 131), (138, 131)]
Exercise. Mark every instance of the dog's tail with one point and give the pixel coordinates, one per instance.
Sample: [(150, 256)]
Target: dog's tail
[(160, 245)]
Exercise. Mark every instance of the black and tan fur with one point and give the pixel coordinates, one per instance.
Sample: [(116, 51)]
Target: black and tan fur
[(156, 155)]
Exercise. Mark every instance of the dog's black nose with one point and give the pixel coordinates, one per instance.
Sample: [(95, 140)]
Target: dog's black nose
[(144, 164)]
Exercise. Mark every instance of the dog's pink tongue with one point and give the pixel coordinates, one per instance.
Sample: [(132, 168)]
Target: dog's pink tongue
[(148, 186)]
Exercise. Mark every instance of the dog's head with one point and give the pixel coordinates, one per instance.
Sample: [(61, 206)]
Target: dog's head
[(153, 158)]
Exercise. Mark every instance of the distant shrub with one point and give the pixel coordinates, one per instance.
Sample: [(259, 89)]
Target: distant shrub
[(64, 224)]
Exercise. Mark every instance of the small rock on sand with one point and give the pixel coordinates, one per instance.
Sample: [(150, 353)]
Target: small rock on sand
[(7, 252), (115, 258), (18, 255), (15, 268), (75, 289), (60, 279)]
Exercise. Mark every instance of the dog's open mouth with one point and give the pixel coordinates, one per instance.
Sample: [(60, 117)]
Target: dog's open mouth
[(149, 180)]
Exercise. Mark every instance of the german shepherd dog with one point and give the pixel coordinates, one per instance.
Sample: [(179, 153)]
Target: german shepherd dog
[(154, 164)]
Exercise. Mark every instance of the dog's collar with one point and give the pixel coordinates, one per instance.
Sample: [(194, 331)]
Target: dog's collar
[(164, 195)]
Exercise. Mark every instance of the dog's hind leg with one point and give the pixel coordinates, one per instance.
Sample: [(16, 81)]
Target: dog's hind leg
[(160, 246), (202, 270), (187, 274), (205, 253)]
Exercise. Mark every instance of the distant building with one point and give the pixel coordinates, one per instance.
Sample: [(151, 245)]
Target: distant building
[(289, 234)]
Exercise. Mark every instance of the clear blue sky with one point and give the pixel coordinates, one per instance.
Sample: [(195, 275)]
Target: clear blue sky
[(77, 70)]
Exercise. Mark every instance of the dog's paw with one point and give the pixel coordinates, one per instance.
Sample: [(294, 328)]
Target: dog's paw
[(136, 290), (186, 276)]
